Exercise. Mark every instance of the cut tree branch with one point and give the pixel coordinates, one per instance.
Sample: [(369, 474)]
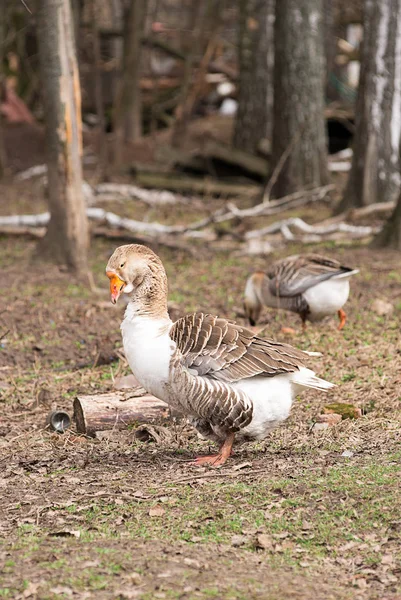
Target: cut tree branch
[(318, 230)]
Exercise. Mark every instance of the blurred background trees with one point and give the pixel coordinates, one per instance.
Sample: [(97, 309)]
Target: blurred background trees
[(176, 93), (299, 135), (375, 173), (255, 77)]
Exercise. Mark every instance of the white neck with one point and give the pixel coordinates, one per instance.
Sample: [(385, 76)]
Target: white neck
[(148, 348)]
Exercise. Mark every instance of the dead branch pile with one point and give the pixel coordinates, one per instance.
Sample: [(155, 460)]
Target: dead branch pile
[(290, 228)]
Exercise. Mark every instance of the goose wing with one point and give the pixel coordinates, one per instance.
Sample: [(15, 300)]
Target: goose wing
[(228, 352), (294, 275)]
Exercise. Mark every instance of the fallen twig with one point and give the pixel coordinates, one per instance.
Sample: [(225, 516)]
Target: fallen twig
[(30, 224), (286, 202), (35, 171), (319, 229), (3, 335), (279, 166), (372, 209)]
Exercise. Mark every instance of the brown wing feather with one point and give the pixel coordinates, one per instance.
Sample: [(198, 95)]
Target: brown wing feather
[(229, 352), (293, 275)]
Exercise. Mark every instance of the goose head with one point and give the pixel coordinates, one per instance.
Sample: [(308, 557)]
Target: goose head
[(135, 269)]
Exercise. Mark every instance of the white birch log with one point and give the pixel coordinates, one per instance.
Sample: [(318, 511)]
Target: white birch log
[(273, 207), (114, 221), (318, 230)]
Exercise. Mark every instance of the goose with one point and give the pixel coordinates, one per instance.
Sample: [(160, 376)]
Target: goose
[(226, 380), (309, 284)]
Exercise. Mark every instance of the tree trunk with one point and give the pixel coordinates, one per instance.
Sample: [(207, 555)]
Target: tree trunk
[(256, 60), (330, 40), (390, 235), (193, 38), (97, 81), (128, 106), (66, 240), (299, 152), (375, 171), (76, 8), (2, 85)]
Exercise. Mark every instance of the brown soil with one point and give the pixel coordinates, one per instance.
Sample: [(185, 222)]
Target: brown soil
[(292, 517)]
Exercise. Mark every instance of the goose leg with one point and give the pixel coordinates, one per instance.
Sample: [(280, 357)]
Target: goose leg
[(342, 316), (291, 331), (220, 458)]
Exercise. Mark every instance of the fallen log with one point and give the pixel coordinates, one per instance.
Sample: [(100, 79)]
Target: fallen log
[(172, 156), (255, 165), (117, 410), (320, 229), (379, 208), (34, 232), (268, 207), (113, 220), (197, 185)]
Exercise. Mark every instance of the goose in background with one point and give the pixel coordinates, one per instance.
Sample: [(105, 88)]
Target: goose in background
[(308, 284)]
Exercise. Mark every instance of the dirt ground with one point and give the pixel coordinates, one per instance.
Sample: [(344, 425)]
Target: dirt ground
[(301, 515)]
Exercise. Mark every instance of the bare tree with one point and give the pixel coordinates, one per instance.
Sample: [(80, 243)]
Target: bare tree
[(200, 19), (2, 85), (256, 59), (299, 152), (390, 236), (375, 172), (66, 239), (128, 105), (329, 37), (98, 87)]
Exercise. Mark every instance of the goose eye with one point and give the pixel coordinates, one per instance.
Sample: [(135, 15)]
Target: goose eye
[(122, 265)]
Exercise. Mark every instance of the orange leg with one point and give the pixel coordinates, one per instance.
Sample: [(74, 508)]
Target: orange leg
[(288, 330), (221, 457), (342, 316)]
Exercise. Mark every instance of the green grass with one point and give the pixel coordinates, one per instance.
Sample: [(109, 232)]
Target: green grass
[(342, 504)]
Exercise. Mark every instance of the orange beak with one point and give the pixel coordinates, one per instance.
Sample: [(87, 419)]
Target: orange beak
[(116, 286)]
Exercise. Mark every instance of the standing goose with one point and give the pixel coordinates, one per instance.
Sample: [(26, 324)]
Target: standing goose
[(311, 285), (225, 379)]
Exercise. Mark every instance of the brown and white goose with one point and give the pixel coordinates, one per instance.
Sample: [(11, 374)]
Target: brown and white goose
[(309, 284), (225, 379)]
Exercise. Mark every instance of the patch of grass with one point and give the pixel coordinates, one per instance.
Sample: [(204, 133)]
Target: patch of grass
[(339, 505)]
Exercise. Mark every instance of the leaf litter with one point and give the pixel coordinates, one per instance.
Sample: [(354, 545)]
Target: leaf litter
[(267, 518)]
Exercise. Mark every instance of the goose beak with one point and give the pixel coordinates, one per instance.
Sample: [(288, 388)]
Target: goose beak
[(116, 286)]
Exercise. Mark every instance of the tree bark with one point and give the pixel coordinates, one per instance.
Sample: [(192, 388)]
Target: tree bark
[(128, 106), (192, 38), (330, 40), (117, 410), (390, 235), (2, 85), (66, 240), (299, 76), (97, 80), (256, 60), (375, 171)]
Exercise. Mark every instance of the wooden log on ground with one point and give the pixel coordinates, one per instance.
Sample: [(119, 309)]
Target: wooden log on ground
[(197, 185), (117, 410), (255, 165)]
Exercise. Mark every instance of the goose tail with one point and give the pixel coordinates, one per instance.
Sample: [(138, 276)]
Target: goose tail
[(306, 378)]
